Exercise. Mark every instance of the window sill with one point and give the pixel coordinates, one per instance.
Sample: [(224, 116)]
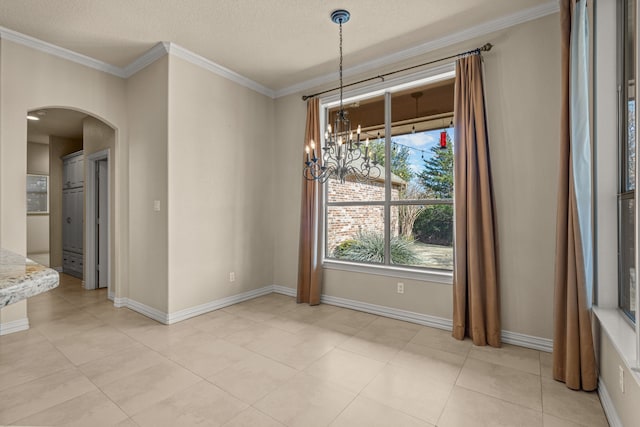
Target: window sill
[(445, 277), (622, 335)]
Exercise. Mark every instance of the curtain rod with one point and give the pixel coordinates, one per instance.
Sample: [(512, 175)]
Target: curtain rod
[(486, 48)]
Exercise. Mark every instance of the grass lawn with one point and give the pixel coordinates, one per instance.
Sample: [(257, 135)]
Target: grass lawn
[(434, 256)]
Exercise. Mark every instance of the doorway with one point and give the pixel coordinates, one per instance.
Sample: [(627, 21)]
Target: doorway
[(98, 226)]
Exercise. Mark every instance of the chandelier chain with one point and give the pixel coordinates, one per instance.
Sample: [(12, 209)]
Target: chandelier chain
[(342, 154), (340, 65)]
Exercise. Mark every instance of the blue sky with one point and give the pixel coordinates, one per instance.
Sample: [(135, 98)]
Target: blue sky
[(421, 142)]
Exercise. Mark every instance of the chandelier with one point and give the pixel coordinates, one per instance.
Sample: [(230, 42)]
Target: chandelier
[(343, 155)]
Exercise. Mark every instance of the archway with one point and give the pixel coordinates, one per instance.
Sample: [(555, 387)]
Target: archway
[(81, 213)]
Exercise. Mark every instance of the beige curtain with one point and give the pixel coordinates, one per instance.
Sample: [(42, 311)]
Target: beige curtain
[(309, 268), (573, 353), (476, 302)]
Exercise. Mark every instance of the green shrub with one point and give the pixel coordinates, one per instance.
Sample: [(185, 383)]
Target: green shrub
[(343, 248), (434, 225), (369, 247)]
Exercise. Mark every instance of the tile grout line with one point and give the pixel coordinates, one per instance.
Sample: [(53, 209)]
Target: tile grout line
[(455, 383)]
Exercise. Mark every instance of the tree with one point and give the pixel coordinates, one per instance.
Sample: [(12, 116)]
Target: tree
[(407, 214), (434, 224), (437, 175), (399, 158)]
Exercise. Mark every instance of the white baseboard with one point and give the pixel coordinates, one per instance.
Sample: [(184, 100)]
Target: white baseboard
[(528, 341), (14, 326), (607, 405), (153, 313), (522, 340), (178, 316), (119, 302), (188, 313), (394, 313), (284, 290)]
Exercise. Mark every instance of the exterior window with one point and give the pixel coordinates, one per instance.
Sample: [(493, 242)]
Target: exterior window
[(405, 217), (627, 147)]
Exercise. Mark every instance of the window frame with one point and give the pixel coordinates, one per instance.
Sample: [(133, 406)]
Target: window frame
[(624, 336), (386, 88), (623, 192)]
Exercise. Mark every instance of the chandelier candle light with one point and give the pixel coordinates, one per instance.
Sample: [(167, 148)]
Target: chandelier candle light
[(343, 155)]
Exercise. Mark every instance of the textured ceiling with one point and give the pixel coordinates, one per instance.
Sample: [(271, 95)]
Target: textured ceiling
[(277, 43)]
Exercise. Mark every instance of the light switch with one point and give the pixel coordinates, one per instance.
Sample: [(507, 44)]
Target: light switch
[(156, 205)]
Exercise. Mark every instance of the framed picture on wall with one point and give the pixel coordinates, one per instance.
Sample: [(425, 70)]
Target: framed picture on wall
[(37, 194)]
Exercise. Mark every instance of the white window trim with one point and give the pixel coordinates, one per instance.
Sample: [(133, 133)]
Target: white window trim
[(421, 78), (624, 336), (431, 275)]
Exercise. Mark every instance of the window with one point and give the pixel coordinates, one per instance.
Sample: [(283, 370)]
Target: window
[(404, 218), (37, 194), (627, 149)]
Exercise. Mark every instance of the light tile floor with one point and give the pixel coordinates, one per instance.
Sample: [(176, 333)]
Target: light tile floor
[(267, 362)]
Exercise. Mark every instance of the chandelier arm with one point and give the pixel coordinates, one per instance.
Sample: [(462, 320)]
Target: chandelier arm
[(343, 155)]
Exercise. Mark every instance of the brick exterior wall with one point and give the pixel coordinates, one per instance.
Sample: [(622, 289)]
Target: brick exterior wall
[(344, 222)]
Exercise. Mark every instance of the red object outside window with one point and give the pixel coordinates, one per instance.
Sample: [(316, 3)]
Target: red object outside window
[(443, 139)]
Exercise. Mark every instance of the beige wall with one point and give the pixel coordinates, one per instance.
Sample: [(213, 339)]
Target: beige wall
[(220, 167), (37, 158), (31, 79), (147, 98), (58, 148), (12, 313), (98, 136), (523, 112), (626, 403), (38, 224), (37, 234), (522, 83)]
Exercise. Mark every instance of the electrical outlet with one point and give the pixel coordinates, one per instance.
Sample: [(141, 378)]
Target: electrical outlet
[(621, 372), (232, 276), (400, 288)]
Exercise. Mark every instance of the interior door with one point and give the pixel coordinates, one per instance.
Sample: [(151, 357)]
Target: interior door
[(102, 223)]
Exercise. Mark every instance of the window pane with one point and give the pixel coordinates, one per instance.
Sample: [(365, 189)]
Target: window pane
[(369, 115), (631, 147), (422, 236), (429, 172), (422, 142), (629, 78), (355, 233), (627, 148), (627, 293)]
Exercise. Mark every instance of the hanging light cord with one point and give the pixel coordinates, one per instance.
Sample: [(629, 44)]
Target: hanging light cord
[(485, 48), (340, 66)]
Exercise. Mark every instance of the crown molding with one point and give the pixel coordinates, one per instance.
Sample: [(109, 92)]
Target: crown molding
[(489, 27), (200, 61), (60, 52), (147, 58), (163, 48)]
